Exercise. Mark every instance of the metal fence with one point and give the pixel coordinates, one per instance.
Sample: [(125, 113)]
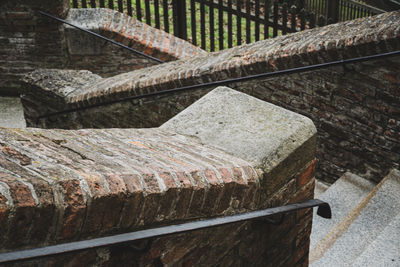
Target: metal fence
[(331, 11), (219, 24)]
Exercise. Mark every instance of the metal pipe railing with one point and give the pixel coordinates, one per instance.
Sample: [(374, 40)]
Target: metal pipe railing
[(101, 37), (324, 211), (342, 62)]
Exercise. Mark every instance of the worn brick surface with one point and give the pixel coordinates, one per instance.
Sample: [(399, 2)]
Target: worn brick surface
[(91, 176), (90, 183), (105, 59)]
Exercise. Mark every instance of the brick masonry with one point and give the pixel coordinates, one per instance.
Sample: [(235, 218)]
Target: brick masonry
[(90, 183), (29, 41), (105, 59), (356, 109)]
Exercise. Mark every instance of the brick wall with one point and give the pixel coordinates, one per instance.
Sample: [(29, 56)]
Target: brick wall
[(64, 185), (356, 112), (30, 41), (355, 109)]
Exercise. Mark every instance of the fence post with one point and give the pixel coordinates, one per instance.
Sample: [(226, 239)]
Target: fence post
[(301, 4), (333, 11), (179, 16)]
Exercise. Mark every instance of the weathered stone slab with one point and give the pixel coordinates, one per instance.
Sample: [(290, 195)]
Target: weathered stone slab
[(244, 126), (52, 86)]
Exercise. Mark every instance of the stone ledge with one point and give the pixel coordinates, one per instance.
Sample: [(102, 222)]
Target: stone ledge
[(275, 140), (244, 126), (51, 86)]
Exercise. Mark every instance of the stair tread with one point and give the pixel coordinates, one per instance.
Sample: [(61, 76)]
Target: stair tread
[(320, 188), (343, 196), (384, 250), (379, 211)]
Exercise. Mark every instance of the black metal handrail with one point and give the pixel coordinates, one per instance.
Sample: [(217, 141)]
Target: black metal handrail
[(324, 210), (101, 37), (342, 62)]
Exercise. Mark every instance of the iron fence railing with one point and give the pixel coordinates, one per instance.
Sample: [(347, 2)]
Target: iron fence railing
[(331, 11), (219, 24)]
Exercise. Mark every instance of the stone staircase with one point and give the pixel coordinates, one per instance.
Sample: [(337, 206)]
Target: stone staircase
[(365, 225)]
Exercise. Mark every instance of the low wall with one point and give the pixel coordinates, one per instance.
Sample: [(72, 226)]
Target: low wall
[(356, 109), (64, 185), (30, 40), (105, 59)]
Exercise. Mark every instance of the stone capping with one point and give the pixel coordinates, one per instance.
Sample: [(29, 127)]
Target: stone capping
[(244, 126), (348, 39), (130, 32), (46, 89)]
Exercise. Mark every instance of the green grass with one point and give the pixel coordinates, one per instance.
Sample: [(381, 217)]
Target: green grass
[(225, 29), (198, 29)]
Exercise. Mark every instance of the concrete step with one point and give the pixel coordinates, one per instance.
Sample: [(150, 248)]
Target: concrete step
[(385, 250), (320, 188), (349, 238), (343, 196), (11, 113)]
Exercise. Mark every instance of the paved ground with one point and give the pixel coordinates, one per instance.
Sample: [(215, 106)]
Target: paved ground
[(11, 113)]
